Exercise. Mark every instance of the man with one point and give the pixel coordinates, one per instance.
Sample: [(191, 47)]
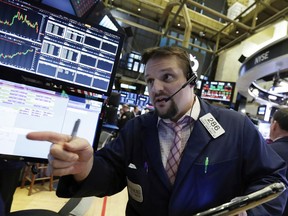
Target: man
[(136, 111), (279, 137), (222, 155), (125, 116)]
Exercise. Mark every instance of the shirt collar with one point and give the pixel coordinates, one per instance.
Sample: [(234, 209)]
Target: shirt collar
[(193, 112)]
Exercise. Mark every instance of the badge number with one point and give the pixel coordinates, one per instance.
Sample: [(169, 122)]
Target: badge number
[(212, 125)]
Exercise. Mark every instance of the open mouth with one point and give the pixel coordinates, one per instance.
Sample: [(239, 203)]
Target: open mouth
[(160, 99)]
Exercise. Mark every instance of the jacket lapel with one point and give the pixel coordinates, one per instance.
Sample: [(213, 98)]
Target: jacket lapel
[(192, 150), (196, 143)]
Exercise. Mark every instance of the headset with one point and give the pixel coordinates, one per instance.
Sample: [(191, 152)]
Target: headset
[(191, 76)]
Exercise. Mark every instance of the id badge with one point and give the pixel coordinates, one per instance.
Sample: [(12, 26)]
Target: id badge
[(212, 125)]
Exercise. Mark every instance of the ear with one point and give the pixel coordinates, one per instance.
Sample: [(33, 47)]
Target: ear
[(274, 125), (272, 130)]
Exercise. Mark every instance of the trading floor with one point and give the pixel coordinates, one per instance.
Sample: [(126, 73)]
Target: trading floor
[(61, 62), (42, 198)]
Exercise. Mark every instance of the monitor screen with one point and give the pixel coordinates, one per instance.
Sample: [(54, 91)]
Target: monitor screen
[(261, 110), (65, 5), (217, 91), (143, 100), (81, 7), (25, 108), (129, 98), (56, 45)]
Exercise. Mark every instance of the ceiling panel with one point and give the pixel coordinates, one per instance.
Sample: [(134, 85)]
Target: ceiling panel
[(230, 32)]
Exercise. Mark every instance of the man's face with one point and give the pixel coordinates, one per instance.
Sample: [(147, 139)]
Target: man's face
[(126, 109), (164, 77)]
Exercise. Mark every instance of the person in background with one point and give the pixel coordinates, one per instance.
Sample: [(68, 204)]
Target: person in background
[(10, 171), (146, 110), (120, 112), (217, 154), (126, 115), (136, 112), (279, 137)]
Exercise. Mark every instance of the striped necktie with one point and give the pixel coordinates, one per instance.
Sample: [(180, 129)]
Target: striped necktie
[(176, 149)]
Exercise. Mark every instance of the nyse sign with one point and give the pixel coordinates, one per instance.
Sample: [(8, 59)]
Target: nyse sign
[(264, 56), (269, 53)]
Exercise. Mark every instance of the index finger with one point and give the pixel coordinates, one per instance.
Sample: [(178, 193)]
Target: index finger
[(48, 136)]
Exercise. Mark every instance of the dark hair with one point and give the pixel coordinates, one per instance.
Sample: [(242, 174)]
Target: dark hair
[(165, 51), (281, 116)]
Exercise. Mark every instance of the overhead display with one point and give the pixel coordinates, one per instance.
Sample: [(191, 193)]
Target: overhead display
[(55, 46), (217, 91), (129, 98)]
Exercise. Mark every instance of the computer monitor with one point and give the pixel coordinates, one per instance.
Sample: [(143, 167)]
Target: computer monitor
[(50, 43), (65, 5), (129, 98), (217, 91), (81, 7), (261, 110), (26, 107), (143, 100)]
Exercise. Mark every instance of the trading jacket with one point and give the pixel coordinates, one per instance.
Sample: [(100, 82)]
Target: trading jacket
[(281, 147), (212, 171)]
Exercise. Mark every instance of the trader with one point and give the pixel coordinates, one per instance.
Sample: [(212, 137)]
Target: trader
[(279, 137), (217, 154)]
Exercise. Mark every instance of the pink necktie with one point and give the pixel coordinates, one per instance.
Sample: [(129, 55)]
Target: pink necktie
[(175, 150)]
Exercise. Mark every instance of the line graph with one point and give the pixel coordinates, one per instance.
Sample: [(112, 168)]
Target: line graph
[(22, 18), (20, 22), (16, 54)]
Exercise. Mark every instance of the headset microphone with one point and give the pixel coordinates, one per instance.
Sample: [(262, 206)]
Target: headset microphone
[(191, 80)]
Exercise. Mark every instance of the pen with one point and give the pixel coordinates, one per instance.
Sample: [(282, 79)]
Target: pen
[(206, 164), (146, 167), (75, 128)]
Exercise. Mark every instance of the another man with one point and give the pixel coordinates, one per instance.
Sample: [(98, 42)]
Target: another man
[(220, 154), (136, 111), (279, 137), (125, 116)]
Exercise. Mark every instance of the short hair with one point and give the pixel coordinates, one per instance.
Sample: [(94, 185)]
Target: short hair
[(281, 116), (125, 106), (166, 51)]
